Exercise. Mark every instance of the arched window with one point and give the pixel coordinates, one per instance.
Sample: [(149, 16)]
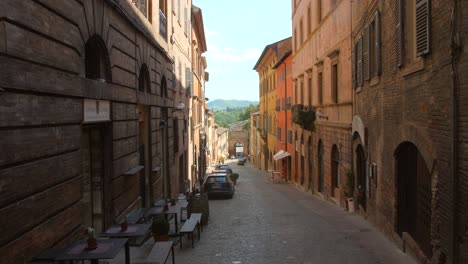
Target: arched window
[(144, 81), (97, 65), (163, 87)]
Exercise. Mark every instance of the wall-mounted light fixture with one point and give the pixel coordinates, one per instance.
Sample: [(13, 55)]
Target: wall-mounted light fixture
[(321, 115), (180, 106)]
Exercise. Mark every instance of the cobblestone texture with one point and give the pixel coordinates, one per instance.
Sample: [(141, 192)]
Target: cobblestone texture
[(276, 223)]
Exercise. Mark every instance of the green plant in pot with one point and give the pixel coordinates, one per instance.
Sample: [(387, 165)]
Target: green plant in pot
[(234, 177), (160, 229), (349, 190)]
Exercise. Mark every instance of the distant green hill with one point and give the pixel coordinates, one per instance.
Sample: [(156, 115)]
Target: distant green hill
[(220, 104)]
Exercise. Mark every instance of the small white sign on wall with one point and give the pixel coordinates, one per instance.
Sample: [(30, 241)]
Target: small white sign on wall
[(96, 111)]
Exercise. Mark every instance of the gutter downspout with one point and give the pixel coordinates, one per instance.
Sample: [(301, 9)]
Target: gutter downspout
[(286, 114), (454, 53)]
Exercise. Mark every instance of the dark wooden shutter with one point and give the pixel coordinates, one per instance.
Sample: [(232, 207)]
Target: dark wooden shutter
[(378, 44), (365, 53), (422, 27), (359, 62), (353, 63), (399, 32)]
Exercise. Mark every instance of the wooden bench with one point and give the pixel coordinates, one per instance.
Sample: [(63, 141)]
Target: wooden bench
[(188, 228), (198, 217), (159, 253)]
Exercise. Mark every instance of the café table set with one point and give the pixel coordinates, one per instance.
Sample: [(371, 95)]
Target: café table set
[(114, 239)]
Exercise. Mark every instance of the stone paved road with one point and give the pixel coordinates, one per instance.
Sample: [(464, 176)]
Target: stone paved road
[(276, 223)]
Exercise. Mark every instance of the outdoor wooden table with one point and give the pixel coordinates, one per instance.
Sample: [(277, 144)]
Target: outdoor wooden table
[(133, 230), (172, 210), (106, 249)]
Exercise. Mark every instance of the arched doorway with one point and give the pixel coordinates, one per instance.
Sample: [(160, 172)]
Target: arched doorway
[(96, 145), (335, 159), (302, 160), (414, 195), (361, 176), (238, 150), (167, 188), (296, 158), (321, 186), (144, 138), (311, 162)]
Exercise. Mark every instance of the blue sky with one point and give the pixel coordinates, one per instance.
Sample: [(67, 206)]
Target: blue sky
[(236, 34)]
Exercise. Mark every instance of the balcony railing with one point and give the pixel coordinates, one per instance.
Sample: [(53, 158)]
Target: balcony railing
[(162, 25)]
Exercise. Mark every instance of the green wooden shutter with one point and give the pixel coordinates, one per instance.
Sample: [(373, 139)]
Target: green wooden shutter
[(365, 54), (378, 44), (399, 38), (359, 62), (353, 63), (422, 27)]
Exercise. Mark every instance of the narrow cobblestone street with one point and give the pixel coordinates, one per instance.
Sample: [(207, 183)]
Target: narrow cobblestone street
[(275, 223)]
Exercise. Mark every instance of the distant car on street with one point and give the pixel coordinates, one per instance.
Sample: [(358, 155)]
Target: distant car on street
[(223, 167), (241, 162), (219, 184)]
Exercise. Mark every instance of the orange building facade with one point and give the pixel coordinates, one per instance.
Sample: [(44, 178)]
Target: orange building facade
[(284, 144)]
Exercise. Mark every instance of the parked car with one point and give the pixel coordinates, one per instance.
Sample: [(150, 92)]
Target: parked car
[(241, 162), (219, 184), (223, 167)]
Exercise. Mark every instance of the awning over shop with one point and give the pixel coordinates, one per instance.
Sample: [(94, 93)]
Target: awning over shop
[(281, 154)]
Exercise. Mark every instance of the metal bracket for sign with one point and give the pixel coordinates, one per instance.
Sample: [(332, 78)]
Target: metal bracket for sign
[(134, 170)]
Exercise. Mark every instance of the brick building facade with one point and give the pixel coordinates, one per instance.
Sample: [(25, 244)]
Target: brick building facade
[(322, 90), (409, 124), (87, 130)]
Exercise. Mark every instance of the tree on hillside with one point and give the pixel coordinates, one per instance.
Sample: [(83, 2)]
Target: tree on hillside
[(245, 113)]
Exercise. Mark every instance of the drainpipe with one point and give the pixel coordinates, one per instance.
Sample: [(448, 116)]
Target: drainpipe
[(286, 114), (454, 53)]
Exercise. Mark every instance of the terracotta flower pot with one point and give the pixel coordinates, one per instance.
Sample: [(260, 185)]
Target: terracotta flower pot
[(92, 243), (160, 237)]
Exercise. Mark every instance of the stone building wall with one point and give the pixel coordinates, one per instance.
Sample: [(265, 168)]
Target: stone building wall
[(42, 76)]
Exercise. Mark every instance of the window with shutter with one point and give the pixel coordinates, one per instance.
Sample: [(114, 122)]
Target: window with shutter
[(422, 27), (353, 63), (399, 33), (365, 53), (359, 62), (378, 44)]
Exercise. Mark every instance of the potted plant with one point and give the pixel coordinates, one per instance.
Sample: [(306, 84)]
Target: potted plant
[(92, 243), (160, 229), (124, 224), (173, 201), (349, 190), (234, 177)]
